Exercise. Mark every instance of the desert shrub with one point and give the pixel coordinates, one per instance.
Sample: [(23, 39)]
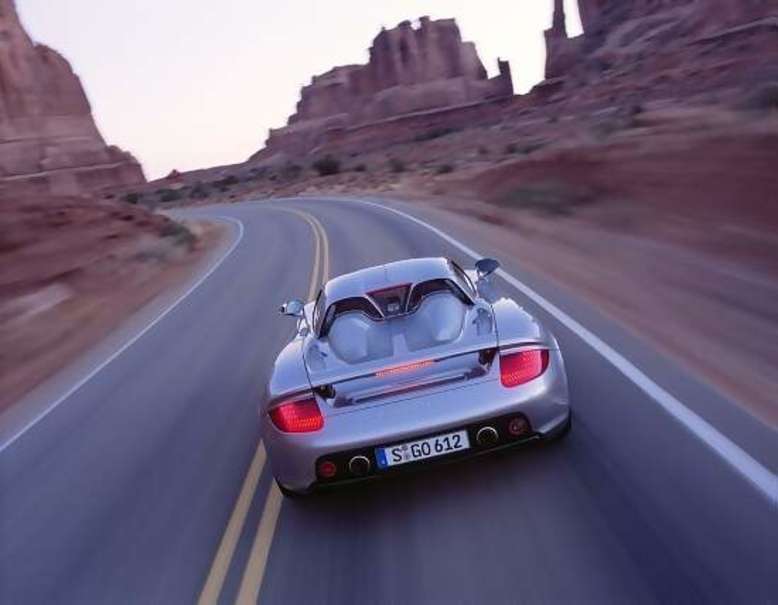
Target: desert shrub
[(169, 195), (327, 166), (180, 235), (132, 198), (225, 183), (291, 171), (434, 133), (257, 173), (550, 198), (360, 168), (764, 98), (444, 169), (199, 192), (635, 110), (396, 165), (230, 180), (482, 150), (511, 148), (532, 147)]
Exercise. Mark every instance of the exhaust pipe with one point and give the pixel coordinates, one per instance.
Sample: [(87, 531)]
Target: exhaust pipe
[(359, 466), (487, 436)]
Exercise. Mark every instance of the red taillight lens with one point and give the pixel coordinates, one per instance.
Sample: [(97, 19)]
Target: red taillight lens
[(301, 416), (519, 368)]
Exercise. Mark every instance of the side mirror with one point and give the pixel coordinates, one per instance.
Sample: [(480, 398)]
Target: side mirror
[(486, 266), (293, 308)]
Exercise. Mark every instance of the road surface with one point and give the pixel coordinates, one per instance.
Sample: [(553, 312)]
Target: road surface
[(139, 476)]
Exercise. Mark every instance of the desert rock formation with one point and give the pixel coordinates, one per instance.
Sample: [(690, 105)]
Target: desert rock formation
[(411, 69), (621, 31), (49, 143)]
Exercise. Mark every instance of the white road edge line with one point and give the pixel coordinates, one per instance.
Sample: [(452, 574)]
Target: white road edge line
[(49, 408), (760, 476)]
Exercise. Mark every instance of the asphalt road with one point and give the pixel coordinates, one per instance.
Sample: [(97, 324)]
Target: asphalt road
[(147, 483)]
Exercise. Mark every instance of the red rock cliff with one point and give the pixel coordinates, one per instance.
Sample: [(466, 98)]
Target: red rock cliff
[(619, 30), (49, 142), (410, 69)]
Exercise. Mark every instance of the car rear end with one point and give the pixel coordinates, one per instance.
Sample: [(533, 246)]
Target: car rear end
[(401, 373), (404, 416)]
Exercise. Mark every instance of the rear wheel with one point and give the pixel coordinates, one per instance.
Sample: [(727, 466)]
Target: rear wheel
[(289, 493), (562, 431)]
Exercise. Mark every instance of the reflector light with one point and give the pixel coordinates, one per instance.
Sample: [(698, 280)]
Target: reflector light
[(302, 416), (327, 469), (403, 369), (520, 368), (518, 426)]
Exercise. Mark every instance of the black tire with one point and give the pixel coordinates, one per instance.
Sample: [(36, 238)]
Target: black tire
[(289, 493), (562, 432)]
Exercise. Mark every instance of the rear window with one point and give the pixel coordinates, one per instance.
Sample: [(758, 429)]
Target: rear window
[(348, 305), (388, 302), (424, 289), (392, 301)]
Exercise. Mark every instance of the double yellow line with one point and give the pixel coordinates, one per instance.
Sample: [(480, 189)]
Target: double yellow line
[(255, 568)]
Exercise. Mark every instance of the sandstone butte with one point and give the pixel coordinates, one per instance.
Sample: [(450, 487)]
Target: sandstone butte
[(49, 143), (425, 78), (620, 30), (410, 70)]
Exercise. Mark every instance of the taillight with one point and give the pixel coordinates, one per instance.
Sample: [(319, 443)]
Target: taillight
[(301, 416), (519, 368)]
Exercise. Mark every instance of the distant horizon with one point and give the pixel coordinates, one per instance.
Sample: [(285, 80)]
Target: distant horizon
[(180, 92)]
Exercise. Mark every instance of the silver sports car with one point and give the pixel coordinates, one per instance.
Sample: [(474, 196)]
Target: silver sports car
[(407, 364)]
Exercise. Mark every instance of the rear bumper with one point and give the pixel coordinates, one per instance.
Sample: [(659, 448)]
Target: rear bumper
[(506, 441), (544, 402)]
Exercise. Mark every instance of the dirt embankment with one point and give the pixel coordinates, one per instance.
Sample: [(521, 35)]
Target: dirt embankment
[(670, 227), (73, 269)]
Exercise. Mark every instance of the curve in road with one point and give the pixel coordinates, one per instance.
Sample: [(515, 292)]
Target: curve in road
[(148, 481)]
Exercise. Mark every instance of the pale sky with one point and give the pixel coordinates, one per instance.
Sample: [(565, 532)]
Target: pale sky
[(195, 83)]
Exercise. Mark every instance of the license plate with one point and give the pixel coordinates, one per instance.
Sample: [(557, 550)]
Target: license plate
[(431, 447)]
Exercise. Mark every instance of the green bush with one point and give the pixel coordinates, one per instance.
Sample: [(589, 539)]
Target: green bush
[(360, 168), (327, 166), (444, 169), (132, 197), (511, 148)]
